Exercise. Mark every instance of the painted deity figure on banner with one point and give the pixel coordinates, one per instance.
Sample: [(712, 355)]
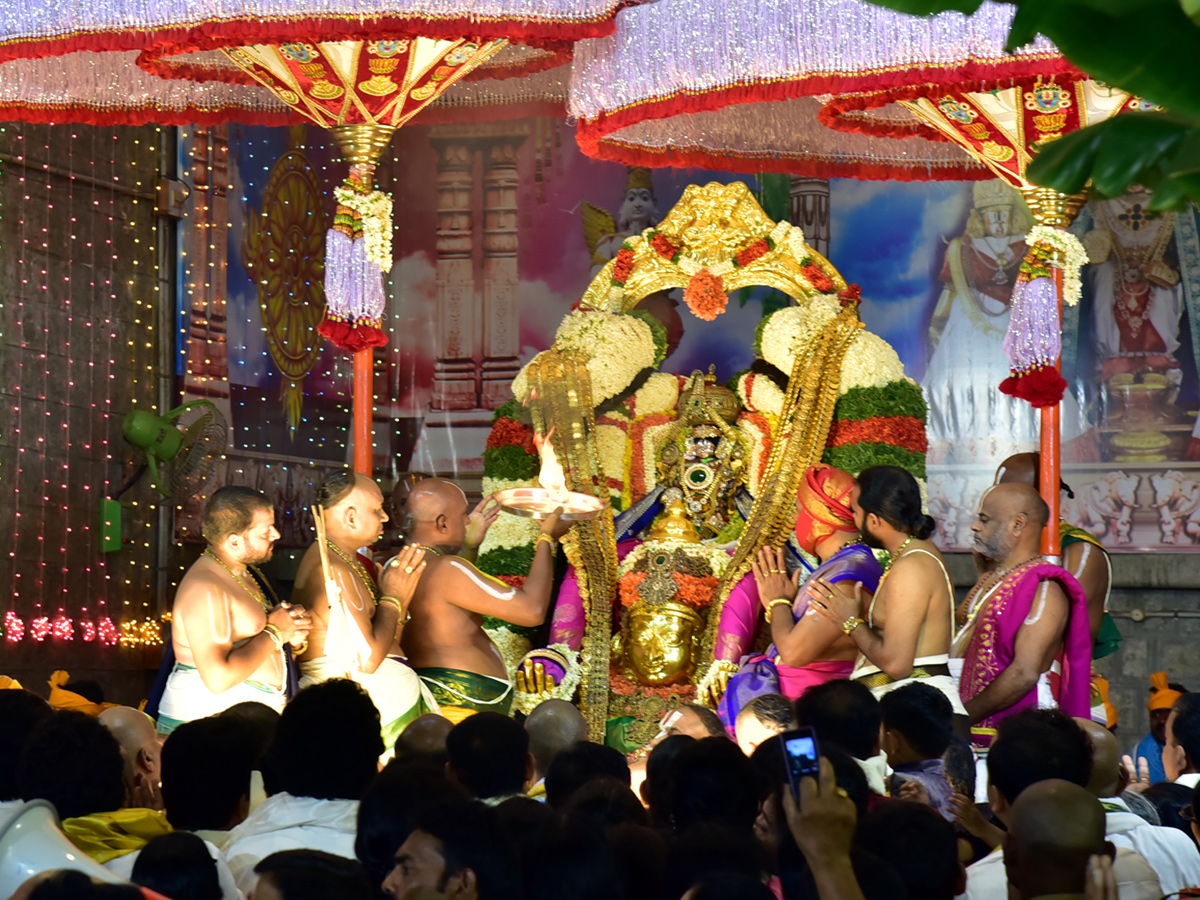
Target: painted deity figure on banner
[(969, 419)]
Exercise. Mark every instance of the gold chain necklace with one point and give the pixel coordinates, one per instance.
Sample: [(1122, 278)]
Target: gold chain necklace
[(258, 596), (359, 570), (434, 550), (892, 559)]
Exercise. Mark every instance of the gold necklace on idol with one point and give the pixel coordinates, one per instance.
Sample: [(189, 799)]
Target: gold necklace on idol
[(359, 570)]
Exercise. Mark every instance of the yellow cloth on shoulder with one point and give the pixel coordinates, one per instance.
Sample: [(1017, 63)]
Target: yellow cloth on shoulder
[(105, 836), (9, 684), (61, 698)]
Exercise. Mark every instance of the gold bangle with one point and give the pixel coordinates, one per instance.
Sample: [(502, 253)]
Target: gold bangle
[(404, 614), (545, 537), (299, 651), (274, 634), (778, 601), (851, 623)]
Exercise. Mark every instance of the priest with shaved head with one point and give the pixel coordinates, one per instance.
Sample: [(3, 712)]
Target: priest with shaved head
[(1019, 618), (445, 641)]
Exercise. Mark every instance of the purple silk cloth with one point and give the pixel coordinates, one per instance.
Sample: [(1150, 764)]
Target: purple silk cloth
[(762, 674), (932, 774)]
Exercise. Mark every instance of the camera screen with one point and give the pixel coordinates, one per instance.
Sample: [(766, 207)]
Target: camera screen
[(802, 755)]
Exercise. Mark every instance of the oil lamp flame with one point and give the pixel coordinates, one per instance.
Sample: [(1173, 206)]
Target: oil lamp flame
[(551, 477)]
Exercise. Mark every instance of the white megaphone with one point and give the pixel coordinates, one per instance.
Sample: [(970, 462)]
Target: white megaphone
[(31, 842)]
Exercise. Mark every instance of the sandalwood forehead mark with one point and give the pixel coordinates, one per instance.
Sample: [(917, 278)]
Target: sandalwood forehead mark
[(488, 586)]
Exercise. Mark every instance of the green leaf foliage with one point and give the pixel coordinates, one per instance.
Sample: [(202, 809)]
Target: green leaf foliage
[(511, 410), (509, 462), (853, 458), (896, 398), (506, 560), (1153, 149), (930, 7)]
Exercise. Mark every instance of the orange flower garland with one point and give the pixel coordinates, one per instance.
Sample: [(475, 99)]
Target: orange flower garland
[(694, 591), (627, 588), (900, 431), (817, 277), (705, 295)]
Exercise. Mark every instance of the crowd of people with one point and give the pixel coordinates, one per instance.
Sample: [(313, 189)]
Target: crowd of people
[(356, 740)]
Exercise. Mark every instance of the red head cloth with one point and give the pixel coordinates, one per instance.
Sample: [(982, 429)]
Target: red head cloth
[(823, 504)]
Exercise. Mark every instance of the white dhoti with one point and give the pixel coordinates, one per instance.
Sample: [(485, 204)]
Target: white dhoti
[(394, 688), (186, 698), (946, 682)]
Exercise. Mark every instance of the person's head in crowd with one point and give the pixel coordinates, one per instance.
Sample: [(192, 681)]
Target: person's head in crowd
[(1108, 775), (578, 765), (959, 763), (1170, 802), (641, 854), (525, 819), (68, 884), (888, 497), (424, 738), (134, 731), (712, 782), (1192, 808), (1163, 694), (693, 720), (206, 766), (240, 523), (258, 723), (488, 754), (843, 712), (178, 866), (74, 762), (336, 723), (388, 811), (706, 849), (918, 722), (606, 801), (849, 776), (21, 711), (763, 718), (1035, 745), (659, 770), (919, 845), (553, 726), (729, 886), (459, 852), (1181, 752), (770, 779), (576, 862), (310, 875), (1054, 828)]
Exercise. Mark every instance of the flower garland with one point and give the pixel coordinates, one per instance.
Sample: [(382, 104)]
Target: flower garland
[(816, 276), (660, 393), (899, 431), (510, 462), (787, 330), (705, 295), (870, 362), (759, 393), (615, 347), (374, 210), (657, 332), (511, 432), (1063, 250), (897, 398), (511, 646)]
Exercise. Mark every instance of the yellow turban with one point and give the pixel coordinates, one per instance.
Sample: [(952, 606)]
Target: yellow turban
[(9, 684), (1161, 695)]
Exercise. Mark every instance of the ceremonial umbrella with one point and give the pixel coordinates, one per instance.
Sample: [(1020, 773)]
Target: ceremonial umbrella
[(361, 68), (826, 88)]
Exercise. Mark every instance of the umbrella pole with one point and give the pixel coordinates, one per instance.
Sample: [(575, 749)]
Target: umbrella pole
[(363, 413), (1050, 465)]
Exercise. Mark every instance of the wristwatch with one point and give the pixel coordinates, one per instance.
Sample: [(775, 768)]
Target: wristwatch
[(851, 623)]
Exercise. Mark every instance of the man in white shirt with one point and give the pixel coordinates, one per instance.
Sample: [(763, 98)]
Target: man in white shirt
[(1169, 851), (324, 755), (1033, 746), (1181, 753)]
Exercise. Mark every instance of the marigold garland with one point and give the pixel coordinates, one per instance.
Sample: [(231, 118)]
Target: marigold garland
[(705, 295), (623, 266), (755, 251), (695, 591), (623, 687), (627, 588), (507, 432), (900, 431), (817, 277), (661, 244), (1062, 249)]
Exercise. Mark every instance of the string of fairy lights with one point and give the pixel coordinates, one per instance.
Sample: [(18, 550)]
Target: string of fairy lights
[(77, 205), (78, 211)]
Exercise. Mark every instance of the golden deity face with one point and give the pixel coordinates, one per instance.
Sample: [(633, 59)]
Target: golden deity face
[(658, 642)]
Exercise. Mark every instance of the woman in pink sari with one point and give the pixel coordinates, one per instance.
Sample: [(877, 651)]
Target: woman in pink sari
[(807, 649)]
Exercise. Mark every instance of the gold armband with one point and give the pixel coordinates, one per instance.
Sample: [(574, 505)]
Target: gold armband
[(778, 601), (545, 537), (399, 607), (851, 623)]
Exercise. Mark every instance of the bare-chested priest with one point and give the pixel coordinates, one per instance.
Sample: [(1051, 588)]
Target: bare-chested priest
[(365, 645), (445, 641), (228, 634)]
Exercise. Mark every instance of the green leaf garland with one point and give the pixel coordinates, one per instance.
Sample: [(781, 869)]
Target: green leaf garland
[(511, 463), (896, 398)]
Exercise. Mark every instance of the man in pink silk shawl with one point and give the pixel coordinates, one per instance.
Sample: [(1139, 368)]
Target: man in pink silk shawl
[(1020, 618)]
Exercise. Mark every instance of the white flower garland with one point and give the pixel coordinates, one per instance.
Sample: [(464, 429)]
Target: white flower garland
[(1071, 257), (659, 394), (616, 347), (375, 210), (760, 394), (790, 328), (611, 442), (869, 362)]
